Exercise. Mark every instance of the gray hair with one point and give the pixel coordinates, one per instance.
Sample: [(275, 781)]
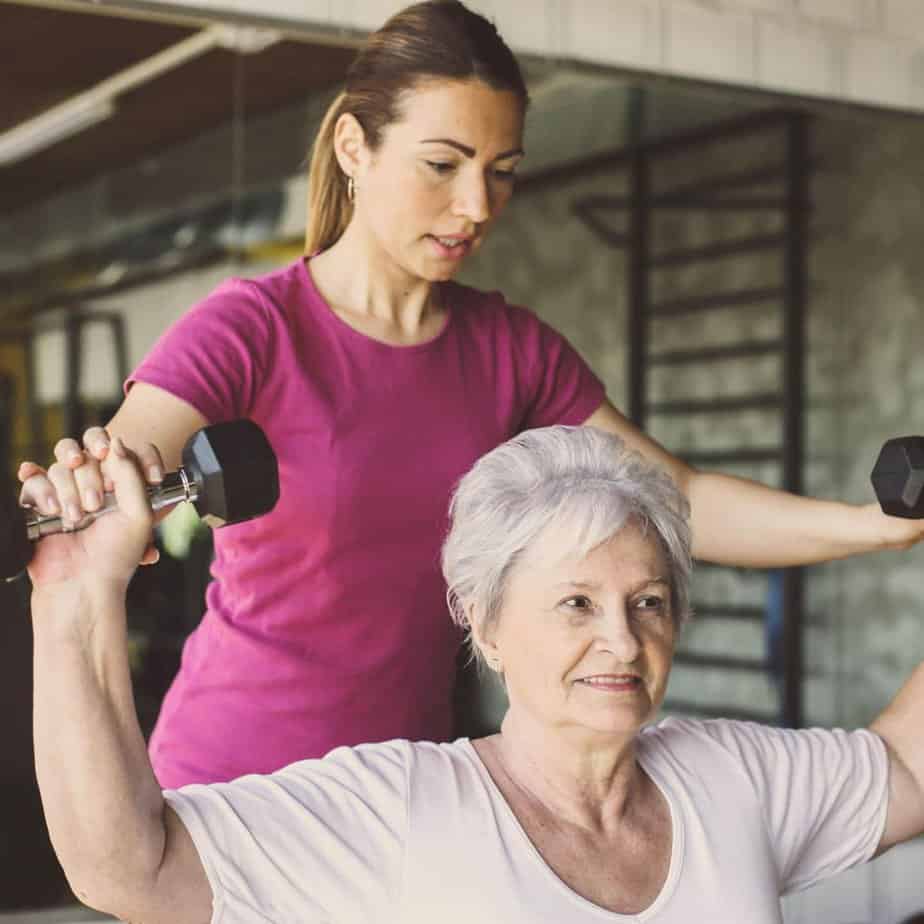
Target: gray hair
[(576, 475)]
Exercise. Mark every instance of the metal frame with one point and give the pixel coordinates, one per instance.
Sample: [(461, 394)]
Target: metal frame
[(73, 324), (713, 195)]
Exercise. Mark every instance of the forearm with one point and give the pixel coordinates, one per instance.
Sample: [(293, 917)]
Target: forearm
[(740, 522), (102, 802)]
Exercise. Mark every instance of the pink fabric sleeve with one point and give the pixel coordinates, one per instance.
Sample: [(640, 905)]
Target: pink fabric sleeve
[(824, 794), (215, 356), (562, 387)]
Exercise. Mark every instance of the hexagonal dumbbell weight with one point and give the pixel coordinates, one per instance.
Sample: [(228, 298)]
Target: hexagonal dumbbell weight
[(898, 477), (229, 473)]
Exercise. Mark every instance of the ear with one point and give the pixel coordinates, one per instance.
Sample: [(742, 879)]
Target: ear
[(350, 144), (485, 641)]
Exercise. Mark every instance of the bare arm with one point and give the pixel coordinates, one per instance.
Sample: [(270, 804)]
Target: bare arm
[(122, 849), (741, 522), (899, 726), (151, 415)]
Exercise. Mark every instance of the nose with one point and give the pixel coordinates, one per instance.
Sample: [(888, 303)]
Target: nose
[(473, 199), (617, 635)]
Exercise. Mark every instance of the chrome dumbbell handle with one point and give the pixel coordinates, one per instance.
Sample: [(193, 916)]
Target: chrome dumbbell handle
[(174, 489), (229, 473)]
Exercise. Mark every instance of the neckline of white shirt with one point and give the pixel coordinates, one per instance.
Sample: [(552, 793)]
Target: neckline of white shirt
[(677, 840)]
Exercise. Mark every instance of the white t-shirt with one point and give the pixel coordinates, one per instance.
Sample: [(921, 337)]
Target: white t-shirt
[(408, 833)]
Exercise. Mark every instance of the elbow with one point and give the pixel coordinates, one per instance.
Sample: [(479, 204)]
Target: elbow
[(109, 886), (124, 900), (92, 890)]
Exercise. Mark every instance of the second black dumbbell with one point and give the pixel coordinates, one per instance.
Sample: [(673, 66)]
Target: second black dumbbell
[(898, 477), (229, 474)]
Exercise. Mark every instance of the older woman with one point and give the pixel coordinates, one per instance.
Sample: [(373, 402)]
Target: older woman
[(568, 560)]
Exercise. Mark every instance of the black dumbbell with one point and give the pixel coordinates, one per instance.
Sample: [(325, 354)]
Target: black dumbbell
[(229, 474), (898, 477)]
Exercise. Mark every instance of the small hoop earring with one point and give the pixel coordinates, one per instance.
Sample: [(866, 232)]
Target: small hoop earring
[(351, 189)]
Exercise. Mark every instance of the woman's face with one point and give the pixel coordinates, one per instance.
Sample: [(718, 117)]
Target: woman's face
[(588, 642), (441, 176)]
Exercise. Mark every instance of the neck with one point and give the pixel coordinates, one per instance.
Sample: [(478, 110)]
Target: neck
[(359, 280), (584, 776)]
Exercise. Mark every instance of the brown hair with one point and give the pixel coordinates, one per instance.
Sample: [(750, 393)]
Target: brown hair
[(436, 39)]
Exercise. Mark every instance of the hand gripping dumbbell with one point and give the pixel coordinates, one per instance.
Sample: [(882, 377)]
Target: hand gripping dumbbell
[(229, 474), (898, 477)]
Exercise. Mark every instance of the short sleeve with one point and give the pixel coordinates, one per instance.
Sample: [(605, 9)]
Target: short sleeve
[(824, 794), (562, 388), (321, 840), (215, 356)]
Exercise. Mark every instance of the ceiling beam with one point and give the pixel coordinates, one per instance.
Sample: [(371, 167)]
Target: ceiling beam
[(96, 9), (203, 15)]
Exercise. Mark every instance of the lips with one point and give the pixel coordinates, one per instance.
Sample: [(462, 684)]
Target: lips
[(612, 681), (450, 245)]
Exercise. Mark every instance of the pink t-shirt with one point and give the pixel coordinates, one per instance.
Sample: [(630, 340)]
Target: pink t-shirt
[(327, 623)]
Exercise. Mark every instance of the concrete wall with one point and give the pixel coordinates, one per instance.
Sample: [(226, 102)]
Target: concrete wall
[(863, 379), (867, 51), (865, 629)]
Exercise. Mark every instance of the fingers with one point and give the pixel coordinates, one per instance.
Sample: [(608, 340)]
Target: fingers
[(64, 486), (75, 474), (151, 462), (96, 442), (123, 466), (77, 481), (37, 491), (151, 555), (27, 469)]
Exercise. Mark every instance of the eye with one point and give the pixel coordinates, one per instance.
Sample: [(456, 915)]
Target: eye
[(579, 603), (508, 176), (651, 604), (440, 166)]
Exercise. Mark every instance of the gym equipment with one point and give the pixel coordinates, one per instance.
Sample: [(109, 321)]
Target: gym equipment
[(229, 474), (898, 477)]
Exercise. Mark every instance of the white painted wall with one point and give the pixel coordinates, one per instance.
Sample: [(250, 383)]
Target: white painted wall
[(864, 51)]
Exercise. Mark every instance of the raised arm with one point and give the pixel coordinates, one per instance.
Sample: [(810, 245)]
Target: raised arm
[(123, 850), (741, 522)]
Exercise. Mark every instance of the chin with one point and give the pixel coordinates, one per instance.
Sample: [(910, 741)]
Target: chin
[(440, 269), (444, 276), (628, 722)]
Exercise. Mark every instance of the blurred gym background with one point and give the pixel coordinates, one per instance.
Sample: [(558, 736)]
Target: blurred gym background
[(720, 207)]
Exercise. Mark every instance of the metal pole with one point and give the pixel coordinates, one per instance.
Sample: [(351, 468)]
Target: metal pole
[(794, 397), (639, 220), (73, 409)]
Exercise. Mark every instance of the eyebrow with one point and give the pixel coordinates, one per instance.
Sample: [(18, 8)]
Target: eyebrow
[(470, 152), (591, 585)]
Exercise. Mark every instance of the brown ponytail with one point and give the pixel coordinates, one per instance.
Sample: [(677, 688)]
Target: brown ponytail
[(439, 39), (329, 209)]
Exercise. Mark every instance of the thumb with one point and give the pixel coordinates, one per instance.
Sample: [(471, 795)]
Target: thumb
[(121, 466)]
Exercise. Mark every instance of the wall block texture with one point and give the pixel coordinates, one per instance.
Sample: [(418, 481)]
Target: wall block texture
[(867, 51)]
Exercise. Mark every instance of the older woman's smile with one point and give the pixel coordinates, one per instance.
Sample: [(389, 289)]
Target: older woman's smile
[(612, 683)]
